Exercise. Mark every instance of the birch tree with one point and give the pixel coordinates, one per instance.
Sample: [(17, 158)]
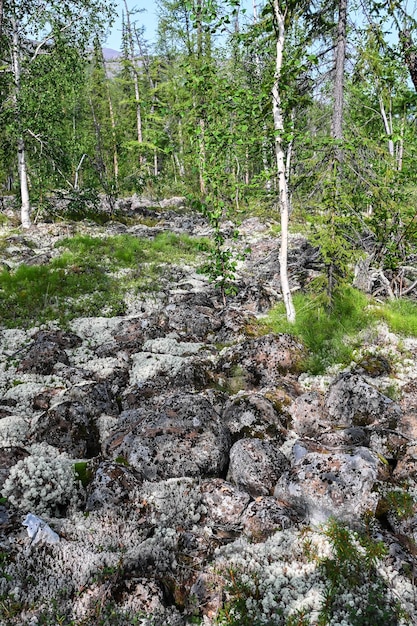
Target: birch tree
[(30, 29), (279, 15)]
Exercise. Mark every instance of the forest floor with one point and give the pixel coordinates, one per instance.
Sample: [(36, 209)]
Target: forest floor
[(172, 456)]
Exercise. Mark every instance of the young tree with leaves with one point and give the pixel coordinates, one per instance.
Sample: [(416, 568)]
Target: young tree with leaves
[(32, 28)]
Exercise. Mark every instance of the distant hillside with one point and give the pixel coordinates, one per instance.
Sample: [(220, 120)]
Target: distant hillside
[(110, 54)]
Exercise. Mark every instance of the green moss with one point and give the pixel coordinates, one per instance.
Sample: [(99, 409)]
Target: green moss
[(83, 473), (121, 460)]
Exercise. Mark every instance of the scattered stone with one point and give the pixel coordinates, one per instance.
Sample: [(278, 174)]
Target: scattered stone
[(70, 424), (251, 415), (262, 361), (351, 401), (113, 485), (224, 502), (265, 516), (180, 435), (321, 485), (256, 465)]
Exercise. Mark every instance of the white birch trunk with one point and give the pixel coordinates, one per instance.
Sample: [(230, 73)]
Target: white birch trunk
[(280, 159), (202, 157), (21, 154), (387, 125)]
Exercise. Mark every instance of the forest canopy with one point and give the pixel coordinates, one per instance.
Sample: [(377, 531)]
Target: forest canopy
[(293, 107)]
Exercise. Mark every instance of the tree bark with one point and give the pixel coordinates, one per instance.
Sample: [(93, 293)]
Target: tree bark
[(280, 160), (387, 125), (113, 129), (21, 153), (410, 54)]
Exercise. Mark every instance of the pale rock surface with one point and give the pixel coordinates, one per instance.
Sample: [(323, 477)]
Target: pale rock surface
[(180, 435), (351, 401), (252, 415), (256, 465), (331, 484)]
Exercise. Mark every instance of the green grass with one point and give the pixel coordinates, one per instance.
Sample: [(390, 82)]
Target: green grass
[(328, 337), (400, 315), (80, 281)]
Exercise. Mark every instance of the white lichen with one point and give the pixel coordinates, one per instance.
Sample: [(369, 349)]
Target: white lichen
[(42, 485)]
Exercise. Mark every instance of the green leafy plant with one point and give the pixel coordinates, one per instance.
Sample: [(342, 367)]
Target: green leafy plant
[(223, 258)]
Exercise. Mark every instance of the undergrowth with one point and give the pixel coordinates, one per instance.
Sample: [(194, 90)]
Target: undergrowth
[(330, 337), (352, 590), (81, 281), (400, 315)]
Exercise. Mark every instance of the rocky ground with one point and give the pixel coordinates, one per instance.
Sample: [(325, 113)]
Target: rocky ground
[(192, 471)]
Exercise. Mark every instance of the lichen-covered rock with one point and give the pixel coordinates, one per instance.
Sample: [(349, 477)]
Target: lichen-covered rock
[(331, 484), (178, 435), (207, 593), (70, 424), (190, 316), (308, 418), (251, 415), (372, 365), (256, 465), (262, 361), (224, 502), (351, 401), (234, 325), (47, 349), (113, 485), (406, 468), (127, 337), (9, 456), (264, 516), (188, 374)]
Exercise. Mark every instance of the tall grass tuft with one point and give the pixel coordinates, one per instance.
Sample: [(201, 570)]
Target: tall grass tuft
[(400, 315), (328, 336)]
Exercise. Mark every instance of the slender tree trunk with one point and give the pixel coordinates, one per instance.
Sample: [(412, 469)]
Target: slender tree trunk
[(387, 125), (400, 147), (21, 153), (113, 130), (280, 159), (135, 81), (202, 157)]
